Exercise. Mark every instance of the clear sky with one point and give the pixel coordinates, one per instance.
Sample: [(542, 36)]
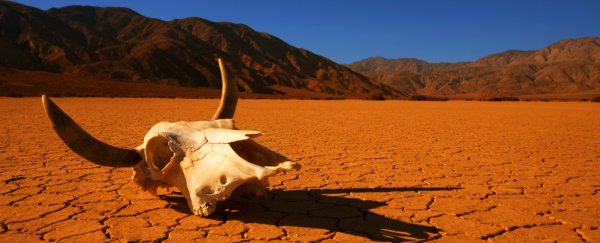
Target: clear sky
[(349, 30)]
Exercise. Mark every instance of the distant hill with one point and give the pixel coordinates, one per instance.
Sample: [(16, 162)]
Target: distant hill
[(568, 69), (114, 46)]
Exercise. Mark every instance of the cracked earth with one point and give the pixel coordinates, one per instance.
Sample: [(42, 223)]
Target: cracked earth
[(389, 171)]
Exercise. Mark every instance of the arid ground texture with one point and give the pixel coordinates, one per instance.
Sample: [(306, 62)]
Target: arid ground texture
[(372, 170)]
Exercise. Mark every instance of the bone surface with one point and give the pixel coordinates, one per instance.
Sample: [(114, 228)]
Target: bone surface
[(206, 160)]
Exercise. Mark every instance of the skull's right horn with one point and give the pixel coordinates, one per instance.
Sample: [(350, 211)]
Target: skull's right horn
[(85, 144), (229, 96)]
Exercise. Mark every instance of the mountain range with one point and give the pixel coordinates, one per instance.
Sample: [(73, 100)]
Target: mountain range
[(110, 51), (567, 68)]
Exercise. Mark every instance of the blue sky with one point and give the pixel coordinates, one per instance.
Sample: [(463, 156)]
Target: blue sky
[(349, 30)]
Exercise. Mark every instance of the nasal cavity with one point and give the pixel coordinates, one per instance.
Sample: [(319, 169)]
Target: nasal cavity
[(206, 190)]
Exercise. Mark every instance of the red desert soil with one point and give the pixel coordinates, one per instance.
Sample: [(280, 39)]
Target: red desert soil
[(391, 170)]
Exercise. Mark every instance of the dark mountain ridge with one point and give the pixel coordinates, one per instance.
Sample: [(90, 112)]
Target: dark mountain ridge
[(121, 45)]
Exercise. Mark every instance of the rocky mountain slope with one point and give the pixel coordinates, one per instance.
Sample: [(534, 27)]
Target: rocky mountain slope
[(118, 44), (81, 50), (570, 66)]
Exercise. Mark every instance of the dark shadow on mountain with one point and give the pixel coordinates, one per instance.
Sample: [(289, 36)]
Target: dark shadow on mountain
[(334, 210)]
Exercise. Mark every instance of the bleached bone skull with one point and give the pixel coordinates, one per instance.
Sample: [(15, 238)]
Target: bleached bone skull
[(205, 160)]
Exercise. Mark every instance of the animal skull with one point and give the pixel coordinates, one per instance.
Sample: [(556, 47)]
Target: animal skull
[(205, 160)]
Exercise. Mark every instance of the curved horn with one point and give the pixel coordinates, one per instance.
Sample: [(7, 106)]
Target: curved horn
[(228, 96), (83, 144)]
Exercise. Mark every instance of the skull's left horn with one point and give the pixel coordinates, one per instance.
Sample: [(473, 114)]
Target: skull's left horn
[(84, 144)]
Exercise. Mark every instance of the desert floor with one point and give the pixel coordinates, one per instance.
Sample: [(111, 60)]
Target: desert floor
[(372, 170)]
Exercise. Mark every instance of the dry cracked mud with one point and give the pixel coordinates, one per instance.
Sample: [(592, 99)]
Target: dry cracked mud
[(389, 171)]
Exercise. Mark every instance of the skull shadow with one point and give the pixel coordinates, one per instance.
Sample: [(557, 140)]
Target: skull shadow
[(331, 210)]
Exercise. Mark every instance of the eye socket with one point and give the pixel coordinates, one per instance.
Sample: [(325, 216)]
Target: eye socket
[(158, 152)]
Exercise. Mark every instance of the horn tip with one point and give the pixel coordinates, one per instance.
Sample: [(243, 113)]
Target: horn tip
[(45, 101), (48, 103)]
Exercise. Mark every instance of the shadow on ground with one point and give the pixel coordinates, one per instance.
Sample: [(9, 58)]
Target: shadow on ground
[(329, 209)]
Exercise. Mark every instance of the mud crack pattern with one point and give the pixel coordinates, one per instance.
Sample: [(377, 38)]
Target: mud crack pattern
[(389, 171)]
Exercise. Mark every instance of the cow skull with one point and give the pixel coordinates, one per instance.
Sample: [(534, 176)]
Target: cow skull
[(205, 160)]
